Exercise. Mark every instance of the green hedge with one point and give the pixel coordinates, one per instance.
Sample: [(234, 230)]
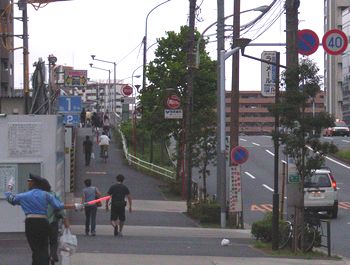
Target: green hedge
[(206, 212)]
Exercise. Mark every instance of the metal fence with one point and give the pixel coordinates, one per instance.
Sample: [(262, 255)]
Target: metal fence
[(133, 160)]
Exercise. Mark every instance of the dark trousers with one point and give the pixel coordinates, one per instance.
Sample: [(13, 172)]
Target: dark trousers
[(37, 233), (87, 158), (53, 240), (90, 218)]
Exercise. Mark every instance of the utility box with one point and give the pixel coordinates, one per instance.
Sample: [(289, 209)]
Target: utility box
[(29, 144)]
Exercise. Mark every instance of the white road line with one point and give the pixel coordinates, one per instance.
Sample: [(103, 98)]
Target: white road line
[(250, 175), (256, 144), (268, 151), (337, 162), (346, 141), (244, 140), (267, 187), (333, 160), (284, 162)]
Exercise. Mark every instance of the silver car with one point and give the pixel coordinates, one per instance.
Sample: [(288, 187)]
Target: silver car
[(320, 192)]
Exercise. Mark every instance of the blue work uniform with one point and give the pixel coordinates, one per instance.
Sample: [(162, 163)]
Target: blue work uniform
[(34, 204)]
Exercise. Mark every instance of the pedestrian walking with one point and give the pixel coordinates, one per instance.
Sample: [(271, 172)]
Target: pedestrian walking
[(87, 149), (54, 216), (83, 117), (34, 204), (90, 193), (118, 192)]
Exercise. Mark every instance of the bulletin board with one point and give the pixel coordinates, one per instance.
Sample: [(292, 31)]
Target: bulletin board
[(20, 173)]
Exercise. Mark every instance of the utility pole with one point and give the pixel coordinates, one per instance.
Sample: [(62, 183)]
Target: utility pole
[(221, 165), (22, 5), (294, 193), (234, 115), (275, 196), (189, 98)]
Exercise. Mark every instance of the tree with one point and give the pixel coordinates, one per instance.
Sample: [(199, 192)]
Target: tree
[(302, 130), (168, 71)]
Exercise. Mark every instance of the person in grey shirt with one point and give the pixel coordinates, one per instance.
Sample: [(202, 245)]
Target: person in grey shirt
[(90, 193)]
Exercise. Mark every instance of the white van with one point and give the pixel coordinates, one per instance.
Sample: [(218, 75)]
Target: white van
[(320, 193)]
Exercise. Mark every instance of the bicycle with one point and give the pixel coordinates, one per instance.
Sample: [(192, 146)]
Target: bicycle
[(104, 153), (311, 232)]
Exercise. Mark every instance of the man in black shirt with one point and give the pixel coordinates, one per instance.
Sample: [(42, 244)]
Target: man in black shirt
[(87, 148), (118, 193)]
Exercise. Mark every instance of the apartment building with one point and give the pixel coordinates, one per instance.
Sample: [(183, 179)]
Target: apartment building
[(254, 116)]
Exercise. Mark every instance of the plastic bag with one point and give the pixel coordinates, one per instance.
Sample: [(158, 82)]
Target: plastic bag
[(92, 155), (68, 243)]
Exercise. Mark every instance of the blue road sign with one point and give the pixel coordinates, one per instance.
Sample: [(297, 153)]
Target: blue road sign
[(239, 155), (69, 104), (71, 119), (308, 42)]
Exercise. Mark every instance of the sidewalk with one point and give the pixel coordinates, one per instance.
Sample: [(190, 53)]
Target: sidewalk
[(185, 233)]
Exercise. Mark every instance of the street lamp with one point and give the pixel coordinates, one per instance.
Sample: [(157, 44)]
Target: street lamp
[(109, 76), (114, 79), (260, 8), (145, 45)]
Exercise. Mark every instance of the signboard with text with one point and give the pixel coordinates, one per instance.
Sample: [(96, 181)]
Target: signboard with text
[(75, 78), (173, 114), (235, 189), (268, 74)]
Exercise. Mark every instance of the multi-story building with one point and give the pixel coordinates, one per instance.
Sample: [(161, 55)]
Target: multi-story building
[(6, 49), (254, 116), (335, 17), (346, 69)]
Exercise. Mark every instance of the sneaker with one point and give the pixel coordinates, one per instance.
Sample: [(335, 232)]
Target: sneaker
[(93, 233), (116, 230)]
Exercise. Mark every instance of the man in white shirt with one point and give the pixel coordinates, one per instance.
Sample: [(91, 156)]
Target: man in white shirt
[(104, 143)]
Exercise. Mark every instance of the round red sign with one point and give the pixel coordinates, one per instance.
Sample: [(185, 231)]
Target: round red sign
[(126, 90), (173, 102)]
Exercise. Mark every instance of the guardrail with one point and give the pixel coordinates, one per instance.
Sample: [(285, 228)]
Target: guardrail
[(144, 164)]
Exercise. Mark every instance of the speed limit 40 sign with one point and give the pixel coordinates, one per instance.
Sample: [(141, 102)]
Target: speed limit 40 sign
[(334, 42)]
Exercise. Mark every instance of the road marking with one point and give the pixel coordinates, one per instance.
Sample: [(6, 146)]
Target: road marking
[(244, 140), (254, 208), (284, 162), (268, 207), (267, 187), (335, 161), (256, 144), (346, 141), (250, 175), (344, 205), (96, 172), (268, 151)]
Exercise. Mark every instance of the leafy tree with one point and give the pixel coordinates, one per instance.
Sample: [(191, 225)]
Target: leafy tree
[(302, 130), (167, 74), (302, 137)]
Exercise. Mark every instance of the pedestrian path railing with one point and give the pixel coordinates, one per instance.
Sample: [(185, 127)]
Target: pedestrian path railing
[(133, 160)]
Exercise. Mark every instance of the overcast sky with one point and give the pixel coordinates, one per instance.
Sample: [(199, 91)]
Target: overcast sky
[(113, 30)]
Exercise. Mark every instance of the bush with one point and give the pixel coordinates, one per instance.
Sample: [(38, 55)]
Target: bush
[(262, 229), (206, 212)]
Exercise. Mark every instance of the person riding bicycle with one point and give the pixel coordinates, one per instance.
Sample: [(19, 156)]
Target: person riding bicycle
[(106, 125), (104, 143)]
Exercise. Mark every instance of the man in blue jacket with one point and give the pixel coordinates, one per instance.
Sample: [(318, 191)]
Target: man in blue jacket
[(34, 203)]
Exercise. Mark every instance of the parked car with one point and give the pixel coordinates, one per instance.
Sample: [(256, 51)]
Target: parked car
[(340, 129), (320, 192)]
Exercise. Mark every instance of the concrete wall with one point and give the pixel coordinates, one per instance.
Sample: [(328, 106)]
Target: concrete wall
[(34, 144)]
